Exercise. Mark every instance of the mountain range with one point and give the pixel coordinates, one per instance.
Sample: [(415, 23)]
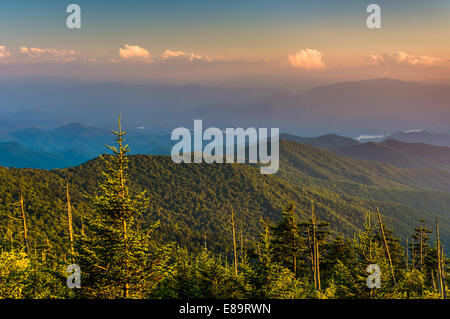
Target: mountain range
[(193, 200), (437, 139), (377, 105), (70, 145), (74, 144), (380, 106), (390, 151), (401, 154)]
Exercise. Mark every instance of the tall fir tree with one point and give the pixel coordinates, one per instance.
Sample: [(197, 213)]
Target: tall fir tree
[(117, 260), (287, 243)]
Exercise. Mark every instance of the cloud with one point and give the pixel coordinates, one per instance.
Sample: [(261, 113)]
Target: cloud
[(375, 59), (135, 52), (48, 55), (169, 55), (4, 53), (369, 137), (403, 58), (413, 131), (198, 58), (307, 59)]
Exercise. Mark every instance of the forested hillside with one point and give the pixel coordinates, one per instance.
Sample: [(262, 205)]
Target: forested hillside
[(50, 218), (193, 201)]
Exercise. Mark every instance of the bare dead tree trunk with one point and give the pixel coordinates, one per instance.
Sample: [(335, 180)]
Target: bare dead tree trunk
[(82, 226), (316, 249), (407, 254), (25, 230), (443, 273), (368, 218), (70, 222), (242, 245), (294, 258), (234, 241), (421, 248), (440, 268), (311, 250), (386, 245), (433, 281)]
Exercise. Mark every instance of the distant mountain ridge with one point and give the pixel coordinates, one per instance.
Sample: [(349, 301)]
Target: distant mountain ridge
[(13, 154), (74, 144), (377, 105), (328, 141), (346, 108), (390, 151), (437, 139), (401, 154), (71, 144)]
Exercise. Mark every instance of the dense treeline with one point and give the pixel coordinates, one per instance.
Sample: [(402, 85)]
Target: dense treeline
[(123, 255), (192, 201)]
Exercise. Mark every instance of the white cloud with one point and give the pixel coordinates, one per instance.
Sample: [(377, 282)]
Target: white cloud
[(413, 131), (4, 53), (404, 58), (48, 54), (369, 137), (198, 58), (134, 52), (375, 59), (169, 55), (307, 59)]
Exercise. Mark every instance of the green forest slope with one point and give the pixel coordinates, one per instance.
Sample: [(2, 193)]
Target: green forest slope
[(193, 201)]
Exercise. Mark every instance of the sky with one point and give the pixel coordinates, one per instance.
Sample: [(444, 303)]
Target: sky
[(200, 39)]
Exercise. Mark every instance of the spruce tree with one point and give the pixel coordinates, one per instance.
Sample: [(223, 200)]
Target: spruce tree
[(116, 260), (350, 278), (268, 278), (287, 243)]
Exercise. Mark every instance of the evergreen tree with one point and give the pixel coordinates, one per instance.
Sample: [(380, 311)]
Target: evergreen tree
[(350, 278), (287, 243), (117, 260), (267, 278), (199, 276), (340, 250)]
